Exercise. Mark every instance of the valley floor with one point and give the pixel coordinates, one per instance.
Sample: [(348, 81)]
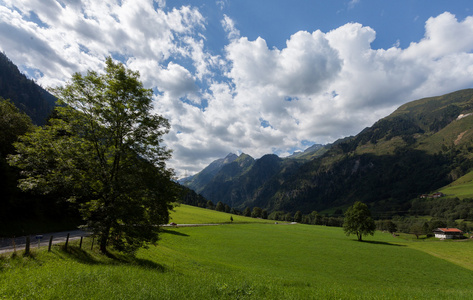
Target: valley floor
[(248, 261)]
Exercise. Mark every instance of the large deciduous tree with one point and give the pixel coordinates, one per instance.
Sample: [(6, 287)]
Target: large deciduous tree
[(103, 151), (358, 221)]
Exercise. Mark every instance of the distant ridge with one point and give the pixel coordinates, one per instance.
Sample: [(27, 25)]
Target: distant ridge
[(205, 176), (315, 149)]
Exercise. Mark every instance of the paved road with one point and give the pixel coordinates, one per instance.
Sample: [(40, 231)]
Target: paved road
[(6, 244), (19, 243), (191, 225)]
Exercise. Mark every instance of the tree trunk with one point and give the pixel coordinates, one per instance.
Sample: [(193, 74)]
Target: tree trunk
[(103, 244), (360, 236), (104, 240)]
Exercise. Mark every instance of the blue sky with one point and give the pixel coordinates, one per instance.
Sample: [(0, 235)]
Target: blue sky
[(275, 21), (252, 76)]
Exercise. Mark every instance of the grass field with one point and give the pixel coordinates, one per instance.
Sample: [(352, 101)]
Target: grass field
[(185, 214), (461, 188), (249, 261)]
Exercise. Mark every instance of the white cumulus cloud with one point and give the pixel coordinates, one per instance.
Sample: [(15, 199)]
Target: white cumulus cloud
[(323, 86), (247, 97)]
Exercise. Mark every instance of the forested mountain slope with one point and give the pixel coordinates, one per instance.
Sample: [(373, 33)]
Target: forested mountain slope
[(422, 146), (30, 98)]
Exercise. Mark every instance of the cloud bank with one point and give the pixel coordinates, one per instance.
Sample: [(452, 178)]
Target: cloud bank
[(248, 97)]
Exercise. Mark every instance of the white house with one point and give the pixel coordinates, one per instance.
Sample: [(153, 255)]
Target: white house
[(448, 233)]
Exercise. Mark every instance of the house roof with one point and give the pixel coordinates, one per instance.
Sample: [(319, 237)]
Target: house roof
[(449, 230)]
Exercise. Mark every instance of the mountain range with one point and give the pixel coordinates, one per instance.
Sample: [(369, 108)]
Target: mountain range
[(419, 148)]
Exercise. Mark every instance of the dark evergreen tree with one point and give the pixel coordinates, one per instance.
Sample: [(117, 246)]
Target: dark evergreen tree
[(298, 216), (210, 205), (257, 212), (247, 212), (288, 217), (220, 206), (264, 214)]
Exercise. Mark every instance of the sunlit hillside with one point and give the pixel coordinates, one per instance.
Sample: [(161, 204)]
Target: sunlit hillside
[(186, 214)]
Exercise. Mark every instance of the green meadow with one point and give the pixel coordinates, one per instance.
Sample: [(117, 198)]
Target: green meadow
[(461, 188), (185, 214), (248, 261)]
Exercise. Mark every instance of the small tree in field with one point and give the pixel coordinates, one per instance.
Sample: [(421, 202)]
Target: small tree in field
[(391, 226), (416, 229), (103, 152), (358, 221)]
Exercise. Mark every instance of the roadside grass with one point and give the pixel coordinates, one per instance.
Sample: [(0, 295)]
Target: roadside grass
[(186, 214), (246, 261)]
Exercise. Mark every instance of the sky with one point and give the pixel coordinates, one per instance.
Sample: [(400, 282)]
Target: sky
[(246, 76)]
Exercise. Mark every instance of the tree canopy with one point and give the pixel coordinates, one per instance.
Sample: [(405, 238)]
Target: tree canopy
[(13, 123), (220, 206), (102, 151), (358, 221)]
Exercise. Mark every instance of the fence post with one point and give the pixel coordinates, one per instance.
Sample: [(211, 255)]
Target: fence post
[(67, 241), (92, 247), (80, 244), (38, 238), (50, 243), (14, 244), (27, 247)]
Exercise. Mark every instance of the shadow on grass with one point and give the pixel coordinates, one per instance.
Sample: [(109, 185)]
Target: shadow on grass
[(174, 232), (111, 258), (148, 264), (135, 261), (78, 255), (382, 243)]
